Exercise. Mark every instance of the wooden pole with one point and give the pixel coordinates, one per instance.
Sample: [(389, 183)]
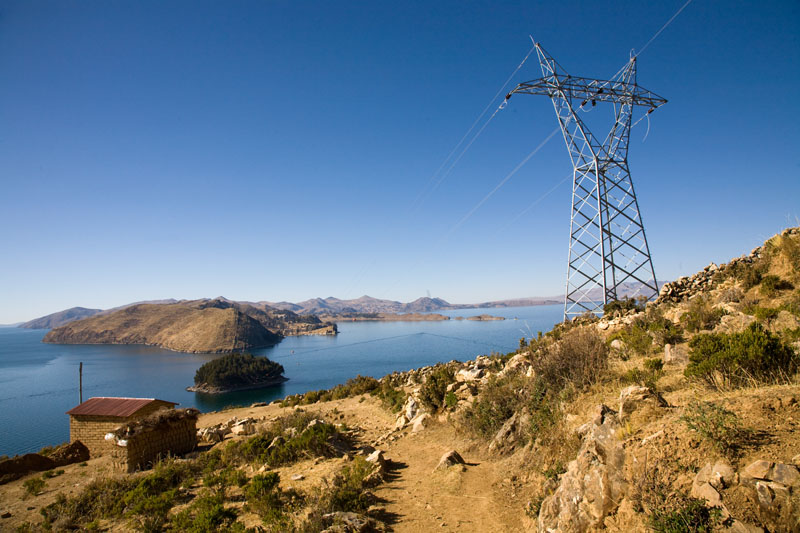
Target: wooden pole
[(80, 382)]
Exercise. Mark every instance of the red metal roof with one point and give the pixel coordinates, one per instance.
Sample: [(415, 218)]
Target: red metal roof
[(122, 407)]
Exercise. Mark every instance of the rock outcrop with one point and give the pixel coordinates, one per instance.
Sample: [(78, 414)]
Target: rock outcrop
[(594, 483)]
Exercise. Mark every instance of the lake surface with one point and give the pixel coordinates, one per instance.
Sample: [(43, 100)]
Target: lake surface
[(39, 382)]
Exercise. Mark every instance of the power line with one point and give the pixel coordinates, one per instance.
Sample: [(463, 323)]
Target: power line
[(424, 193)]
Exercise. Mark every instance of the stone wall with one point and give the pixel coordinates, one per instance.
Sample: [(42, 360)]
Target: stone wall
[(92, 429), (149, 443)]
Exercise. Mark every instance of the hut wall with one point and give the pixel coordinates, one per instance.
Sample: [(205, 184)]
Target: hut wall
[(154, 443), (91, 431)]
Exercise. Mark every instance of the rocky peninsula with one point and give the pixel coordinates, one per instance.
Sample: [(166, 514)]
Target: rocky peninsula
[(197, 326)]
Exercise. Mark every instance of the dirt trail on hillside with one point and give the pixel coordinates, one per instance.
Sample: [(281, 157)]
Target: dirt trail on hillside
[(468, 499), (414, 498)]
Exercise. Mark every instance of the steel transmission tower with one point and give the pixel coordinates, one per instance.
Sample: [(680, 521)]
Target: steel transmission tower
[(607, 242)]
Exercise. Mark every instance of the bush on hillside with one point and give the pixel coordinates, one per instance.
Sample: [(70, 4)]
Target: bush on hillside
[(662, 329), (771, 285), (285, 441), (755, 355), (432, 392), (747, 274), (346, 492), (701, 315), (766, 315), (237, 369), (717, 425), (626, 304), (580, 358)]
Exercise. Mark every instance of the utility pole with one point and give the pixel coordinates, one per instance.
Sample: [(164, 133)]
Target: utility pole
[(607, 241), (80, 383)]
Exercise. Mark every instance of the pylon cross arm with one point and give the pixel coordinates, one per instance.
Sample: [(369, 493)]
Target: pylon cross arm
[(587, 90)]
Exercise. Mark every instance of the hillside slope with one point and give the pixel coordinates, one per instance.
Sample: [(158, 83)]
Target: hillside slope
[(209, 326)]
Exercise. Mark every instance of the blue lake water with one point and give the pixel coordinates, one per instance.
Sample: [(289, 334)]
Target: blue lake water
[(39, 382)]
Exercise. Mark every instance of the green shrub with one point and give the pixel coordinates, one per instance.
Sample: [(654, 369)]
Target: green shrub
[(450, 400), (206, 514), (689, 516), (150, 514), (647, 376), (300, 437), (141, 498), (392, 398), (237, 369), (264, 498), (33, 486), (700, 315), (497, 402), (766, 314), (99, 499), (662, 329), (792, 304), (733, 360), (748, 274), (717, 425), (625, 305), (502, 397), (771, 285), (432, 392), (790, 249)]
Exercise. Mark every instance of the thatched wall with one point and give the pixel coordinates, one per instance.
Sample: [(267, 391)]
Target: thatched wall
[(139, 444)]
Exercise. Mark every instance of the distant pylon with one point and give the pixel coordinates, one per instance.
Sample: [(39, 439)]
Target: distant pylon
[(607, 241)]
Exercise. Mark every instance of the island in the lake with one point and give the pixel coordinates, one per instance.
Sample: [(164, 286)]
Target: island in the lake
[(236, 372)]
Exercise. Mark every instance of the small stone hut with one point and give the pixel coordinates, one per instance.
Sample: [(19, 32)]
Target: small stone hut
[(140, 443), (90, 421)]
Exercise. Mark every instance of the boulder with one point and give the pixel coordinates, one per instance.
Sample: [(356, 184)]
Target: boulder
[(633, 397), (704, 491), (594, 483), (675, 355), (472, 374), (421, 422), (346, 522), (757, 470), (734, 323), (377, 458), (411, 408), (505, 440), (401, 422), (449, 459), (244, 427)]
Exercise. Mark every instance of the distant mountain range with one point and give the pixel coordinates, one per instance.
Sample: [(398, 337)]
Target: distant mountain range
[(367, 304), (327, 308)]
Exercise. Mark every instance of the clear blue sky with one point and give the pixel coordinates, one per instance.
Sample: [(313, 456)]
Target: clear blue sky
[(273, 150)]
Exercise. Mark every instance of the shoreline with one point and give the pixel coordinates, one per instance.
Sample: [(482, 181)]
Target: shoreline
[(204, 388)]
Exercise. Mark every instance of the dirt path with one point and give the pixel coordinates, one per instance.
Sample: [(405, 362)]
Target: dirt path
[(414, 498), (470, 499)]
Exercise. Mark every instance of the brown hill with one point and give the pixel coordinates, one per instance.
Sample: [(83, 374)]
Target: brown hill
[(208, 326)]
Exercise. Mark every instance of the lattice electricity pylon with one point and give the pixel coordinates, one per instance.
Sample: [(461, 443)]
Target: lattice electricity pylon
[(608, 245)]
